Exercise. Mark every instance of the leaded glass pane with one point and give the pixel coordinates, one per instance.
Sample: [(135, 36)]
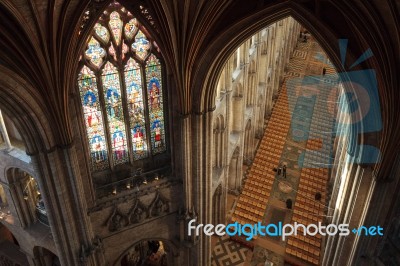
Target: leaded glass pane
[(141, 45), (115, 115), (112, 52), (125, 49), (115, 43), (93, 119), (155, 104), (133, 81), (130, 28), (116, 26), (102, 32), (95, 53)]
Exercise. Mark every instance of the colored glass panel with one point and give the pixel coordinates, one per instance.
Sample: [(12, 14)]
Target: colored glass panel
[(125, 49), (133, 81), (95, 53), (141, 45), (112, 52), (155, 104), (116, 26), (115, 115), (102, 32), (143, 95), (93, 118), (130, 28)]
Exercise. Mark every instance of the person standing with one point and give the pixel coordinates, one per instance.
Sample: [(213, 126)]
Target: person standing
[(284, 170), (279, 170), (324, 71), (289, 204)]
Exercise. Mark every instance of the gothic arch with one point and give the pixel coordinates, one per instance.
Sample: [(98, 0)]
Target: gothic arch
[(12, 173), (45, 257), (35, 125), (172, 248), (131, 125), (218, 56), (26, 197), (214, 59)]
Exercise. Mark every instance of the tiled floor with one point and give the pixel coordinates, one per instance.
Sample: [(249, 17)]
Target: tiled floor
[(228, 253), (307, 146)]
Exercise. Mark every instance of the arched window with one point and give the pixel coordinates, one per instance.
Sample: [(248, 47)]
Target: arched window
[(120, 84)]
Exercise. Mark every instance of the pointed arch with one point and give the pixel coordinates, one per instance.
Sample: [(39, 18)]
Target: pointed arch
[(121, 87)]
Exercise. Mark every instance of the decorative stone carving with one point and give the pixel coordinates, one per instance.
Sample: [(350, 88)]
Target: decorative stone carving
[(138, 212), (116, 221), (159, 206)]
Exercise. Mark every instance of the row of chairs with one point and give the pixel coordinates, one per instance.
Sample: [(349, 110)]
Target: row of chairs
[(305, 218), (321, 175), (263, 185), (307, 211), (298, 253), (253, 201), (310, 249), (248, 215), (315, 183), (258, 186), (315, 187), (315, 171), (312, 188), (258, 194), (316, 206)]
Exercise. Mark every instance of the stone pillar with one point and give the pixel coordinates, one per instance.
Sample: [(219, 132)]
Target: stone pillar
[(196, 131), (234, 175), (218, 206), (18, 203), (4, 132), (20, 189), (237, 115), (63, 195)]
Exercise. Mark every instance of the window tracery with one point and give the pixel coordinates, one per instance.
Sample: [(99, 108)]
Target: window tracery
[(120, 84)]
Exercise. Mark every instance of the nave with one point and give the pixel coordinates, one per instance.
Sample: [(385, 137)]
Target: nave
[(299, 136)]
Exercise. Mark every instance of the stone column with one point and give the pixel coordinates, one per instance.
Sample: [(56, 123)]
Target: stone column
[(4, 132), (20, 189), (13, 203), (202, 180), (63, 195), (234, 172)]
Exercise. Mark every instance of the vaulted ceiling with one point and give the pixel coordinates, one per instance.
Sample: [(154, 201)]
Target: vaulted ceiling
[(40, 43)]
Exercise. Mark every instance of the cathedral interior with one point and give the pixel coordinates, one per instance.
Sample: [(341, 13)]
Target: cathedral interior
[(122, 121)]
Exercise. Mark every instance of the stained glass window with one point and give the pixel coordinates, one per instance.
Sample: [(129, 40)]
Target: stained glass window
[(116, 26), (120, 86), (93, 118), (133, 81), (94, 52), (102, 32), (115, 114), (155, 100), (130, 28), (141, 45)]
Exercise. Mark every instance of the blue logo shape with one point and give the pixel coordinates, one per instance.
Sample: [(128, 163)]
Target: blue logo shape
[(350, 94)]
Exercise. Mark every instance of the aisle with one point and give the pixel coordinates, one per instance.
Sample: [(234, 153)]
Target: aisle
[(298, 135)]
